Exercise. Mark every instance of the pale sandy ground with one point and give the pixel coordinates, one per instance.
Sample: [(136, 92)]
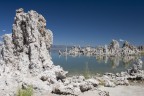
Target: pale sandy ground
[(125, 90), (88, 93), (131, 90)]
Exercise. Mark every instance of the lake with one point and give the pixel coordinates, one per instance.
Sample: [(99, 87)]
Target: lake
[(79, 65)]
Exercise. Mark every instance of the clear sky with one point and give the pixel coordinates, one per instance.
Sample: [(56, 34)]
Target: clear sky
[(92, 22)]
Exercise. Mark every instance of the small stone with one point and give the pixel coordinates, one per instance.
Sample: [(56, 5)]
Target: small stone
[(43, 78)]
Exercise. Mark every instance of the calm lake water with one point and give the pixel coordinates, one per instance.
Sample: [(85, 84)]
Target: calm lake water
[(79, 65)]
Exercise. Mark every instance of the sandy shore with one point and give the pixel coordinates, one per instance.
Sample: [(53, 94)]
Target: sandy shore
[(131, 90), (125, 90), (88, 93)]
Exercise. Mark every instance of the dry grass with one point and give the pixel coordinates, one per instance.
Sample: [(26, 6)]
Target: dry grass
[(25, 92)]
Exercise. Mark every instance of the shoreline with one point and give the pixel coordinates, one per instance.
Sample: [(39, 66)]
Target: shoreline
[(107, 84), (26, 61), (121, 90)]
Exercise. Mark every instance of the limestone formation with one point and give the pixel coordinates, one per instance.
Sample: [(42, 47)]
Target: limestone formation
[(128, 49), (25, 58), (141, 48), (113, 49), (75, 85), (136, 72), (26, 61)]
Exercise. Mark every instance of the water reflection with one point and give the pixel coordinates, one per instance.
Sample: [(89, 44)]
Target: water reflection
[(94, 64), (115, 60), (87, 73)]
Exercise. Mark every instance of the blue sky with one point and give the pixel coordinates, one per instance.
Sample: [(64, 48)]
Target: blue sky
[(84, 22)]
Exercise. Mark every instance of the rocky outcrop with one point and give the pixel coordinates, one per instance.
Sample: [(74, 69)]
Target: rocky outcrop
[(112, 50), (128, 49), (133, 73), (28, 44), (25, 58), (75, 85), (141, 48), (26, 61), (136, 71)]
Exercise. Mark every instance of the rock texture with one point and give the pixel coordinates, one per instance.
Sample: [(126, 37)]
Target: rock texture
[(75, 85), (25, 58), (27, 47), (25, 61), (113, 49), (133, 73)]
